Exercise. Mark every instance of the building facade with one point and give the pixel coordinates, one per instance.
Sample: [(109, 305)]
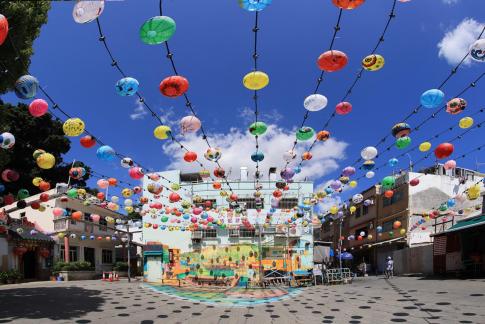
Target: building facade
[(248, 239), (410, 243)]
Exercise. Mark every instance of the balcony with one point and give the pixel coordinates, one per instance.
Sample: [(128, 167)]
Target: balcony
[(65, 224)]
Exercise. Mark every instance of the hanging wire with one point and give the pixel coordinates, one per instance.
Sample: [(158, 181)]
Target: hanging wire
[(188, 103), (336, 29)]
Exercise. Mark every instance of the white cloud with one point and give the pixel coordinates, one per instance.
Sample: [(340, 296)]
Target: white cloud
[(456, 42), (450, 2), (237, 148), (269, 117), (167, 116), (139, 112)]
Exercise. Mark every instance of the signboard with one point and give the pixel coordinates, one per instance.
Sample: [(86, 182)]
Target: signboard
[(419, 237)]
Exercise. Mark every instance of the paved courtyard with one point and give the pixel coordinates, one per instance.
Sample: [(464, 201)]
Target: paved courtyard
[(369, 300)]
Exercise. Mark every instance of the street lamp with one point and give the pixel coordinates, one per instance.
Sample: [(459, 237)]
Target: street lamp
[(126, 240)]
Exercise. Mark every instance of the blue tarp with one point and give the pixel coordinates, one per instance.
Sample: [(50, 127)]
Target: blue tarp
[(346, 256)]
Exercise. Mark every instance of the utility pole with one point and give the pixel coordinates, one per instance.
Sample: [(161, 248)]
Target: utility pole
[(129, 260)]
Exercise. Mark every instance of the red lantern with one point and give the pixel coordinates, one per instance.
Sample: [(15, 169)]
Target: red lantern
[(174, 86), (143, 200), (44, 186), (414, 182), (216, 185), (112, 182), (396, 225), (174, 197), (306, 156), (208, 204), (348, 4), (35, 205), (77, 215), (286, 188), (3, 28), (389, 193), (233, 197), (343, 108), (360, 238), (332, 61), (87, 141), (44, 197), (155, 226), (219, 172), (100, 195), (8, 199), (443, 150), (190, 156), (277, 194)]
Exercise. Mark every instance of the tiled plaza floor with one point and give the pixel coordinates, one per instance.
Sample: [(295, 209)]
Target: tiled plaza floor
[(369, 300)]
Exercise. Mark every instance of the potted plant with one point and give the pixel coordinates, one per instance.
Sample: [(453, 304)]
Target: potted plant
[(3, 277)]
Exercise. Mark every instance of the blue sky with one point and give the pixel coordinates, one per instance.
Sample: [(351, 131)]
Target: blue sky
[(212, 47)]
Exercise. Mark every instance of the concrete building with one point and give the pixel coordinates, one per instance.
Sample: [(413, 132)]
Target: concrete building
[(74, 240), (411, 243), (274, 239)]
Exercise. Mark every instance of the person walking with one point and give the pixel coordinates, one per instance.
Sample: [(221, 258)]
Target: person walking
[(389, 267)]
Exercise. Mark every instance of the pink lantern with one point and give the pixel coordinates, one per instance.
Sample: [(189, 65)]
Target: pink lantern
[(450, 164), (58, 212), (112, 206), (95, 218), (197, 211), (136, 173), (193, 220), (210, 219), (343, 108), (137, 189), (38, 107), (153, 176), (103, 183)]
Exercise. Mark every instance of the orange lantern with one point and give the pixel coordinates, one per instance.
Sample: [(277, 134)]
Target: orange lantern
[(216, 185), (44, 186), (389, 193), (277, 194), (306, 156), (396, 224), (112, 182), (323, 135), (77, 215), (348, 4)]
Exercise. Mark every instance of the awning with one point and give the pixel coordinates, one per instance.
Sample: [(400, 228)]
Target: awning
[(25, 234), (464, 224)]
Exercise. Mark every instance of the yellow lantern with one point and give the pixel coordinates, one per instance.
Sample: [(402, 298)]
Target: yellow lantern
[(61, 235), (402, 231), (307, 202), (46, 161), (321, 194), (81, 192), (37, 153), (352, 209), (353, 184), (425, 146), (473, 192), (333, 210), (466, 122), (256, 80), (373, 62), (175, 186), (126, 193), (73, 127), (41, 208), (162, 132), (109, 219), (223, 193), (36, 181), (370, 237)]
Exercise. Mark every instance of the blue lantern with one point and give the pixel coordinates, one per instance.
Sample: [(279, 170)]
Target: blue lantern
[(257, 156), (2, 188), (254, 5), (83, 237), (379, 229), (432, 98), (91, 237), (105, 153), (328, 190), (451, 202), (297, 169), (26, 87), (127, 86), (393, 162)]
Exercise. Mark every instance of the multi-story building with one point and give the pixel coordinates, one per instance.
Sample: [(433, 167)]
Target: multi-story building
[(410, 243), (250, 231), (83, 240)]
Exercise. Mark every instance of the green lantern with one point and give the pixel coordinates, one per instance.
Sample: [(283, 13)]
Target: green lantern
[(157, 30), (164, 219), (258, 128), (305, 133), (443, 207), (403, 142), (72, 193), (22, 194), (388, 182), (391, 233)]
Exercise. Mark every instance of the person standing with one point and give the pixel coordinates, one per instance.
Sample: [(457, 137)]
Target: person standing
[(389, 267)]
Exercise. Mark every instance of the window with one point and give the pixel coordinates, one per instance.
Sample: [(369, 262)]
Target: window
[(209, 233), (287, 203), (250, 203), (387, 226), (244, 232), (202, 204), (365, 210), (103, 224), (107, 256), (72, 253), (358, 212)]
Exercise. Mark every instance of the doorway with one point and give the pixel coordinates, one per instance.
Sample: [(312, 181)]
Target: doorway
[(154, 268), (89, 256), (29, 265)]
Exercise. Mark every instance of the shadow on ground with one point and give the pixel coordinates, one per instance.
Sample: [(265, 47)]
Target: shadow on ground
[(56, 303)]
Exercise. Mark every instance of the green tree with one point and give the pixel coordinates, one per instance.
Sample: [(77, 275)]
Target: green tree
[(33, 133), (25, 19)]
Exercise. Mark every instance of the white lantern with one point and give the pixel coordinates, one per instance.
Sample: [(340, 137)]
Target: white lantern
[(87, 10), (315, 102), (368, 153)]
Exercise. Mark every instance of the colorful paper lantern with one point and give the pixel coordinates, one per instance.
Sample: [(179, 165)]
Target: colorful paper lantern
[(255, 80), (190, 124), (348, 4), (373, 62), (174, 86), (466, 122), (73, 127), (127, 86), (425, 146), (46, 161), (3, 28), (323, 135), (157, 30), (315, 102), (87, 11), (443, 150), (105, 153), (432, 98), (254, 5), (38, 107), (343, 108), (477, 50), (331, 61), (162, 132), (258, 128), (305, 133)]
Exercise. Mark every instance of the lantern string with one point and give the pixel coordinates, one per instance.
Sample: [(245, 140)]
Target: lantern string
[(188, 103), (358, 76), (336, 29), (57, 107), (141, 99), (414, 111)]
